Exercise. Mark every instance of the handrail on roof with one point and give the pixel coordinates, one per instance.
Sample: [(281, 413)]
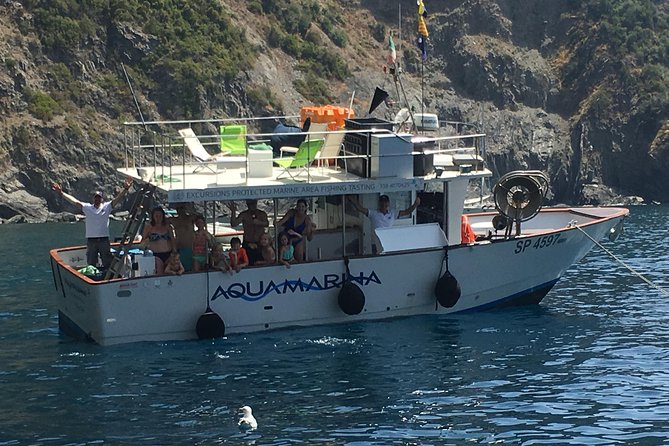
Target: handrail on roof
[(163, 151), (208, 121)]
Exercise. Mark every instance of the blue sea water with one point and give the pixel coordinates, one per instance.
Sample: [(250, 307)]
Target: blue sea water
[(590, 365)]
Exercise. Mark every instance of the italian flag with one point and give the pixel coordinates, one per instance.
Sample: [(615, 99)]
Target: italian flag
[(392, 54)]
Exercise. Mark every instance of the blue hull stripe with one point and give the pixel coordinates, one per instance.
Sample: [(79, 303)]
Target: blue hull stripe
[(532, 295)]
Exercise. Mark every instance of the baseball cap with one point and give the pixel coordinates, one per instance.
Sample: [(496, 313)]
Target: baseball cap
[(97, 193), (384, 198)]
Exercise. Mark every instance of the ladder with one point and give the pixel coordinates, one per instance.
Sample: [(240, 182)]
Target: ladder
[(143, 199)]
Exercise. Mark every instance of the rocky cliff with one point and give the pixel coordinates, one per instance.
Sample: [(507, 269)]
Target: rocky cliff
[(576, 89)]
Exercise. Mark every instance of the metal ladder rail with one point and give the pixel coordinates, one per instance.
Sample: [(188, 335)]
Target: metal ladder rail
[(135, 220)]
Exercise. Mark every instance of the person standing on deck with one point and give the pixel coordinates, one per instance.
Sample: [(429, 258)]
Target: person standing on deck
[(97, 222), (184, 227), (254, 221), (385, 216)]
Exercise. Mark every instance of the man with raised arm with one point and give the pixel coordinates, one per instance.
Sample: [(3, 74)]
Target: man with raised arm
[(384, 216), (97, 222), (254, 221)]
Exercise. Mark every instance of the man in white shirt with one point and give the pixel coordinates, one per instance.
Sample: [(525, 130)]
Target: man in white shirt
[(385, 216), (97, 223)]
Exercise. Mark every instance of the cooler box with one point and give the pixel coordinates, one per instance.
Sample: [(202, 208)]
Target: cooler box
[(260, 162), (426, 121)]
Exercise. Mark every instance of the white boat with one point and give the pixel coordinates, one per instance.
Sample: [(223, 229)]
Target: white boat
[(517, 259)]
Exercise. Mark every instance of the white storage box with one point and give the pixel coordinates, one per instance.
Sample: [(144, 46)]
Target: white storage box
[(260, 163), (146, 266)]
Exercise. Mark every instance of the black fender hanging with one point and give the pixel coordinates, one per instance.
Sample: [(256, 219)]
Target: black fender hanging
[(447, 289), (210, 325), (351, 299)]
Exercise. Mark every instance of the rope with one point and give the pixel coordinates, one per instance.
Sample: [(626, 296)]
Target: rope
[(632, 270), (441, 270)]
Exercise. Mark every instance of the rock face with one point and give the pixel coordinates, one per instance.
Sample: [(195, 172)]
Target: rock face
[(502, 64), (512, 54)]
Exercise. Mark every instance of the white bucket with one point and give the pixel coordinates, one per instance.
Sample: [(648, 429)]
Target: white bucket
[(146, 266)]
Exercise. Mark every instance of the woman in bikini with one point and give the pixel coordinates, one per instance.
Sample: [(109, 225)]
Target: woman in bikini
[(159, 237), (297, 225)]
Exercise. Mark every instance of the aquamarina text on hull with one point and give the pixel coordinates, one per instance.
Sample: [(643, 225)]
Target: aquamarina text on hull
[(429, 261)]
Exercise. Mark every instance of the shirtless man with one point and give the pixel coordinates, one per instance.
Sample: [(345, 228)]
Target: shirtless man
[(254, 221), (184, 228)]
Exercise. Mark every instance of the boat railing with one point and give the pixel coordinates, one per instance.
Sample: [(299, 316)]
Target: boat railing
[(157, 146)]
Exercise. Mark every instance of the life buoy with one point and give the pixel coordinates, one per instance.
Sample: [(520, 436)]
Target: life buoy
[(210, 326), (447, 290)]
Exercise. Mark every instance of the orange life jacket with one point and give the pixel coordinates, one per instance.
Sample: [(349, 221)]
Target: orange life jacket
[(467, 234)]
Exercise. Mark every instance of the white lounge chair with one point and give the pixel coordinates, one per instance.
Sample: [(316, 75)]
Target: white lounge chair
[(198, 151), (330, 150)]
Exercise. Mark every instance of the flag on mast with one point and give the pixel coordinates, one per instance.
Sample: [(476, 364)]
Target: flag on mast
[(422, 29), (392, 53)]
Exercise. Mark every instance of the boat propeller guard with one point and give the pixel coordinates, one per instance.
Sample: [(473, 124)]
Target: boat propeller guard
[(351, 299), (519, 196)]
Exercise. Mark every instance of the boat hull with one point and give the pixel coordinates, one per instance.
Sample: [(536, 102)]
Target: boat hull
[(491, 274)]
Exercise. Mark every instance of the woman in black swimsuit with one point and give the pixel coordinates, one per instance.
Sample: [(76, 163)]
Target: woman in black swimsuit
[(297, 225), (159, 237)]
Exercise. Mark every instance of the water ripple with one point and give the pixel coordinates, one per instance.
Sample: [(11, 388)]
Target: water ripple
[(588, 366)]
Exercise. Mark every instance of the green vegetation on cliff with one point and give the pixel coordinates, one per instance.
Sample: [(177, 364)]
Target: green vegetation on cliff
[(184, 52), (187, 47), (621, 51)]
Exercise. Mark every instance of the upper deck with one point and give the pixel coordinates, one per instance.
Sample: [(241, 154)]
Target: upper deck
[(192, 166)]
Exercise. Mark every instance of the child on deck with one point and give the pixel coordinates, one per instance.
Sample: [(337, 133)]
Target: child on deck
[(202, 242), (286, 250), (173, 266), (268, 253), (218, 260), (238, 257)]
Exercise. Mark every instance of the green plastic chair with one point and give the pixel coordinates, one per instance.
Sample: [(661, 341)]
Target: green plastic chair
[(233, 139), (293, 166)]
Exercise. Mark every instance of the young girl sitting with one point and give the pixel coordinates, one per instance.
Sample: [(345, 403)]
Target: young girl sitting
[(286, 250), (268, 254), (173, 265)]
